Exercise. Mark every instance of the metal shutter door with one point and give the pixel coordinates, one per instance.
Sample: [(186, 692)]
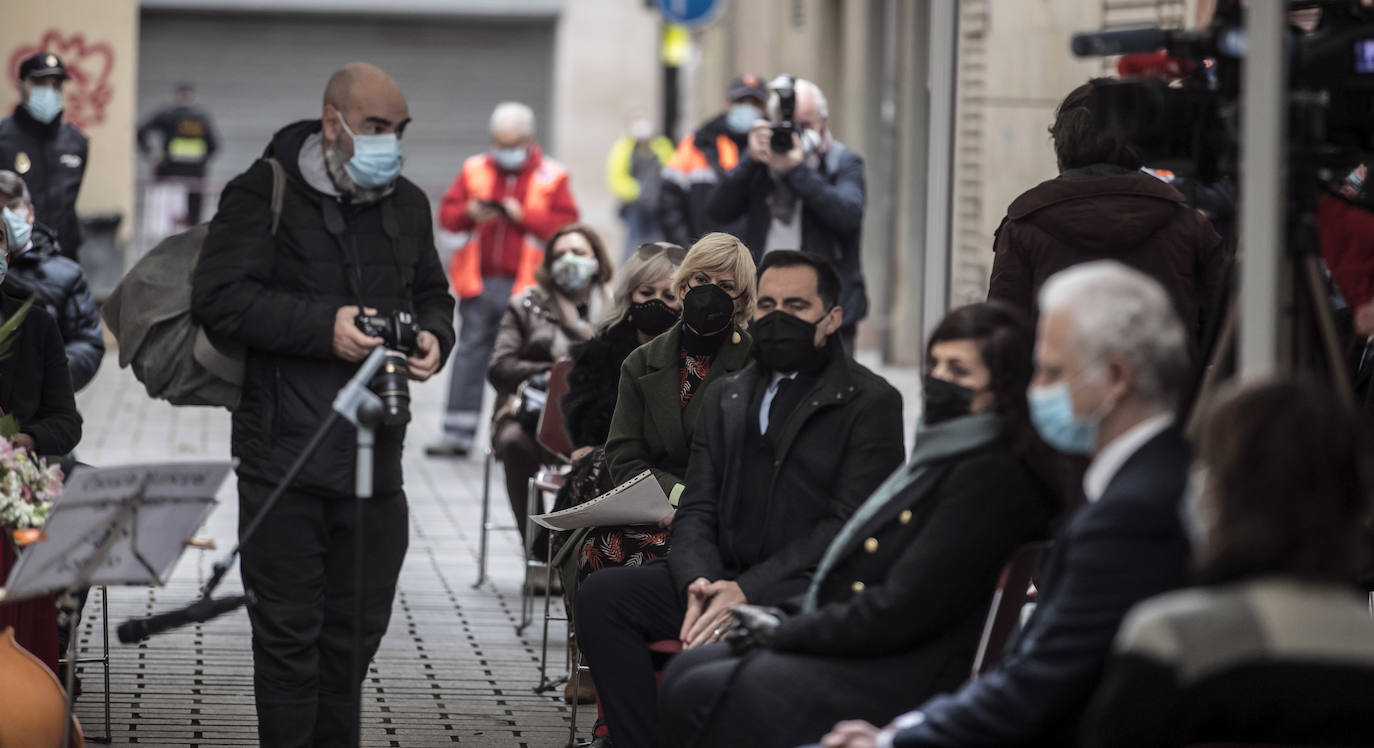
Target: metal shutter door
[(256, 73)]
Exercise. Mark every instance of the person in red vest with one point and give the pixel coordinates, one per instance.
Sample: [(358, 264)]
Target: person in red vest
[(497, 215)]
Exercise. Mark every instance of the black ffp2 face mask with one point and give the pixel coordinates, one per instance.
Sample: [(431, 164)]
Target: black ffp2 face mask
[(785, 343), (653, 317), (707, 309), (944, 400)]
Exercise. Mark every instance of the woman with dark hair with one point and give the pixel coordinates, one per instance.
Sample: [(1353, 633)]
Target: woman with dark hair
[(1275, 646), (539, 327), (894, 611)]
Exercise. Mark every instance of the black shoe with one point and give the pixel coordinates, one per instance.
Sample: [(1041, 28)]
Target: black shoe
[(447, 448)]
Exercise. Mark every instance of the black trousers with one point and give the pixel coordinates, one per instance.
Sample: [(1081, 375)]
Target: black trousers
[(619, 612), (768, 699), (299, 563)]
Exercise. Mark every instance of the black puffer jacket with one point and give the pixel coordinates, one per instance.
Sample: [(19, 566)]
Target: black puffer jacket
[(279, 297), (59, 284), (34, 386), (594, 384), (52, 160)]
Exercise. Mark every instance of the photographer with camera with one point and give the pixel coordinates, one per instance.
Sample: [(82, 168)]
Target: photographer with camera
[(351, 266), (798, 188)]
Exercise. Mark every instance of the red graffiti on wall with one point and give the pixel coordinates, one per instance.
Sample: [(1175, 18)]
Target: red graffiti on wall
[(88, 93)]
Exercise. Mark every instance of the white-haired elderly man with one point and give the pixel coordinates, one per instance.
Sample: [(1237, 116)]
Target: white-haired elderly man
[(809, 196), (496, 216), (1110, 357)]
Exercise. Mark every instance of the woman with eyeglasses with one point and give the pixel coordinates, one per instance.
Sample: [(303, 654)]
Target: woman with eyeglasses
[(644, 305), (539, 327), (661, 382), (659, 394)]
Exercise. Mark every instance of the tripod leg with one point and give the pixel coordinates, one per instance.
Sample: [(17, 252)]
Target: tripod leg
[(1326, 326), (1212, 375)]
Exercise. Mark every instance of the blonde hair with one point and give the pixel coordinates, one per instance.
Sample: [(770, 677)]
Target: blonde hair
[(719, 252), (637, 271)]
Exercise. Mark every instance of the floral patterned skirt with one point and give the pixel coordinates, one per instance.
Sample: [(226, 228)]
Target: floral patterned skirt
[(604, 547), (635, 545)]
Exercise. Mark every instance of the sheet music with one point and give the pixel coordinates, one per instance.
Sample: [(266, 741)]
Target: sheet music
[(171, 500), (638, 501)]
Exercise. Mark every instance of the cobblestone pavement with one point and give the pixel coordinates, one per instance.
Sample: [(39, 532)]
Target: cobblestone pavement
[(452, 668)]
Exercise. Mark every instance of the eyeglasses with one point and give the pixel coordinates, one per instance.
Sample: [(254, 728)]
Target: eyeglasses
[(675, 253)]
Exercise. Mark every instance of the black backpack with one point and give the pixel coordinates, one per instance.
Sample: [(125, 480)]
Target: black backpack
[(149, 314)]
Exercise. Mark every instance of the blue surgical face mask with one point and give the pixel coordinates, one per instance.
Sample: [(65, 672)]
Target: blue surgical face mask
[(376, 160), (741, 117), (1051, 412), (20, 229), (45, 103), (510, 159)]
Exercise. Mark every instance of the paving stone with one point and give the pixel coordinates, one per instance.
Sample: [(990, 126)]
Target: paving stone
[(452, 669)]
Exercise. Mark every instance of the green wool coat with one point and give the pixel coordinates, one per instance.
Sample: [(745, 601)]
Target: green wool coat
[(650, 429)]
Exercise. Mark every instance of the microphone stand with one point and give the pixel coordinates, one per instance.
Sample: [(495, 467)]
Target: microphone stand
[(357, 404)]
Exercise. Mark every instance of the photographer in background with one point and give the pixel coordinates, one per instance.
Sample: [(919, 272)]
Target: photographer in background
[(798, 188), (701, 160), (354, 236)]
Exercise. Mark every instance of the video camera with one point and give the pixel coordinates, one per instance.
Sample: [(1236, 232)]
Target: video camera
[(785, 87), (399, 334), (1179, 97)]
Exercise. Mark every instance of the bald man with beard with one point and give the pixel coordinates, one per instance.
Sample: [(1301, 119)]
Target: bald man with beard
[(353, 235)]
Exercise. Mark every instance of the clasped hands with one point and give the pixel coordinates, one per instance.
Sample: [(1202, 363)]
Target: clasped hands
[(720, 611)]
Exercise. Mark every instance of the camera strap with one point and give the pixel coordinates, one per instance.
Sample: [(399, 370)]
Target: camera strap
[(348, 246), (347, 242)]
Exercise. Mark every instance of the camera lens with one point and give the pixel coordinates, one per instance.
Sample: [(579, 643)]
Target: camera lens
[(392, 386)]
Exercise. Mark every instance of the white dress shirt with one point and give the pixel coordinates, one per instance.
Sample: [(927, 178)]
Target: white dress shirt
[(1108, 461)]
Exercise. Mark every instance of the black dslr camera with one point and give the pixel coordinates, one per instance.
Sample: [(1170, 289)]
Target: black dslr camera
[(399, 334), (786, 89)]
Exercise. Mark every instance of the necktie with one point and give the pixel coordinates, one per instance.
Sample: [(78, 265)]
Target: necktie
[(778, 409)]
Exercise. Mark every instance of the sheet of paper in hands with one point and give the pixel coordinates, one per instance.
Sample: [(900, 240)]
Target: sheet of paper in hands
[(637, 501)]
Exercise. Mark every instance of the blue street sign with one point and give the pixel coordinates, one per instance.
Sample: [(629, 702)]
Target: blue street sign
[(689, 12)]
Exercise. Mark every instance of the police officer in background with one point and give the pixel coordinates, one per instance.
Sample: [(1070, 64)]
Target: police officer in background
[(186, 141), (47, 152)]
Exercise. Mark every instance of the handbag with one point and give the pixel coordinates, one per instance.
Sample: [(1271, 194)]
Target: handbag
[(530, 398)]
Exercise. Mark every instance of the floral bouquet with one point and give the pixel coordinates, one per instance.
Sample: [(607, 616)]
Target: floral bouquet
[(28, 488)]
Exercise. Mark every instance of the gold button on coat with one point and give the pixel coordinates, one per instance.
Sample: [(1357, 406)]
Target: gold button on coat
[(904, 517), (857, 587), (871, 545)]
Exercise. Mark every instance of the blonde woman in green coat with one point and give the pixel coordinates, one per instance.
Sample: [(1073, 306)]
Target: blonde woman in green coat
[(662, 381)]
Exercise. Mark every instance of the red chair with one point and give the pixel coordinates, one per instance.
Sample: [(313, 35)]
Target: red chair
[(1013, 591)]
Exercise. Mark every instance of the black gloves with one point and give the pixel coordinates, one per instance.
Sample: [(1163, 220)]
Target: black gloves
[(754, 626)]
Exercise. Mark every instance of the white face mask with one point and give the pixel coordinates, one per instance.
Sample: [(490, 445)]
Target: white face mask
[(1196, 515), (641, 129)]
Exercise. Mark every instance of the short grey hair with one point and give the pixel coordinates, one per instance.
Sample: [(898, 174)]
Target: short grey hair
[(799, 85), (513, 114), (1117, 310), (12, 186)]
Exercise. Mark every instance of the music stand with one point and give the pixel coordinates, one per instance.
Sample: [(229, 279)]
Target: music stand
[(115, 526)]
